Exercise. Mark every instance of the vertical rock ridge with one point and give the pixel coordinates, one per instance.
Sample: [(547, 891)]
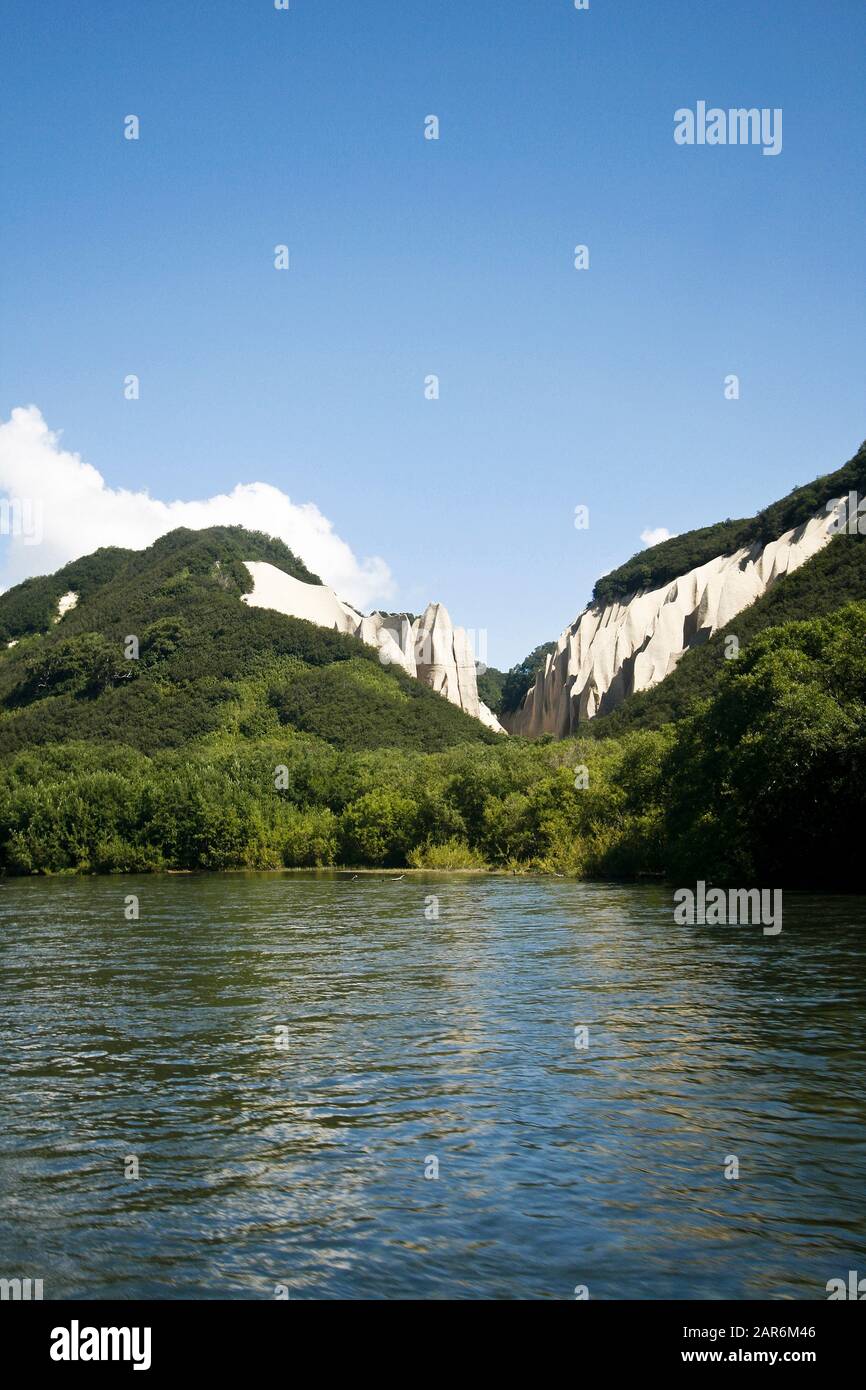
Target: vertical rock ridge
[(610, 652)]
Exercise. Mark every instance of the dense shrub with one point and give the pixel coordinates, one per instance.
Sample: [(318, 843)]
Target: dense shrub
[(88, 808), (378, 828), (452, 854), (766, 780)]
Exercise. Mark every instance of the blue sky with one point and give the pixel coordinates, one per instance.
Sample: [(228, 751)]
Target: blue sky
[(455, 257)]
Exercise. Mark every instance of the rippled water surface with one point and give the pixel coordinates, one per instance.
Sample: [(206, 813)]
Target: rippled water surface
[(406, 1040)]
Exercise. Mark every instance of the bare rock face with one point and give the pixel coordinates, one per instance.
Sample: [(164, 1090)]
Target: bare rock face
[(609, 652), (429, 647), (444, 659)]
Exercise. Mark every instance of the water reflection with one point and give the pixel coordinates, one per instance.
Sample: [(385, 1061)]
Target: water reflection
[(408, 1038)]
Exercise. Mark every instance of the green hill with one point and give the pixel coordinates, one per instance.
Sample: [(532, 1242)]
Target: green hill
[(241, 738), (207, 663), (31, 607)]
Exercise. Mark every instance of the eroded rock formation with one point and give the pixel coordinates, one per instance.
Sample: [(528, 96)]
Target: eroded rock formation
[(609, 652), (429, 647)]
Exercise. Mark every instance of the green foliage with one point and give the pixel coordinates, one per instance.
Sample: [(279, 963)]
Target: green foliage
[(208, 662), (163, 639), (356, 705), (83, 665), (86, 807), (32, 606), (762, 784), (453, 854), (171, 762), (767, 778), (522, 676), (490, 683), (378, 828), (310, 839)]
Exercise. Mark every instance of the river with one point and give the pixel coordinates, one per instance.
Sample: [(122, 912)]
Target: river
[(326, 1086)]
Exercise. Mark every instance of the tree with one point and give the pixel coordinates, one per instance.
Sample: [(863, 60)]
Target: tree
[(378, 828), (767, 779)]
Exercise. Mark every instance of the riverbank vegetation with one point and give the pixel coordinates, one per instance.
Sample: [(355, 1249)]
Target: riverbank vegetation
[(238, 737), (764, 781)]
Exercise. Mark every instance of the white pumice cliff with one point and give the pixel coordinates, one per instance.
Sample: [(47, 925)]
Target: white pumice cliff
[(429, 648), (66, 603), (610, 652)]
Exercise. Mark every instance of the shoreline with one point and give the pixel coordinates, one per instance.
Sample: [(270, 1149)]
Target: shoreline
[(334, 870)]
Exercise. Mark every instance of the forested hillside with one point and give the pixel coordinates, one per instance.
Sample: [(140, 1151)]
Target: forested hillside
[(206, 663), (241, 738), (763, 784)]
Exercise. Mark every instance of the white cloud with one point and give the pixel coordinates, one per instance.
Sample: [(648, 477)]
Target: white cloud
[(653, 535), (74, 509)]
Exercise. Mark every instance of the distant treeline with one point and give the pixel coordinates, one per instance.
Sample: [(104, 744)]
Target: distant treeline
[(503, 691)]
